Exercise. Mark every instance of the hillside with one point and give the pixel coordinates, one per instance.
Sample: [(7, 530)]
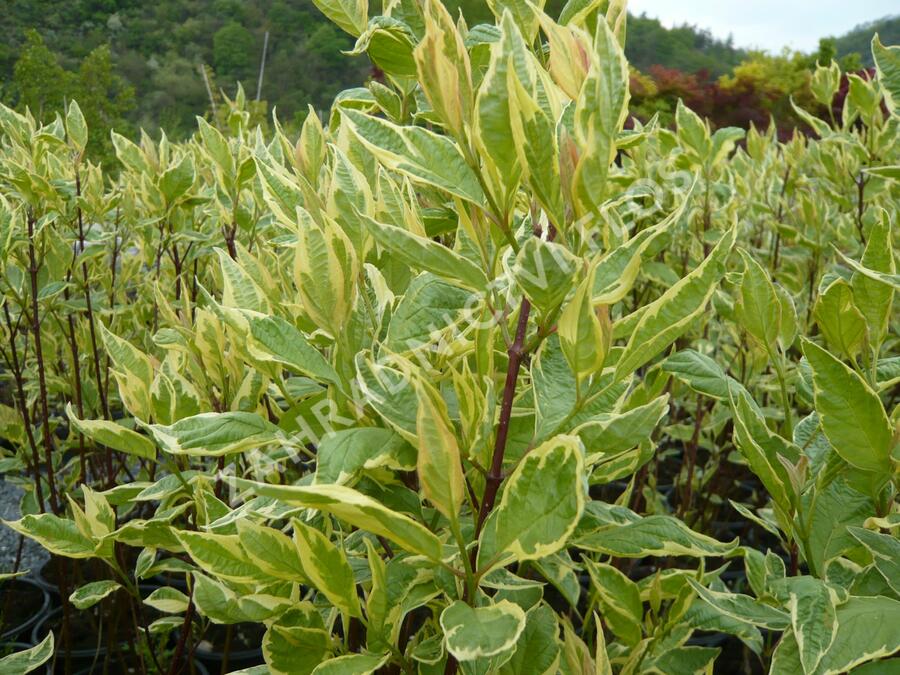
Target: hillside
[(859, 39), (152, 71), (685, 48)]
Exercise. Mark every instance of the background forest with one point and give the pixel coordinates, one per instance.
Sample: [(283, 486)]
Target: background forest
[(134, 64)]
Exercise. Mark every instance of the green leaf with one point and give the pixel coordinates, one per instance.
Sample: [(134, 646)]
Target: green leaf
[(133, 373), (90, 594), (760, 448), (272, 339), (494, 134), (350, 15), (686, 660), (653, 536), (534, 134), (76, 127), (600, 112), (541, 503), (58, 535), (147, 533), (554, 388), (239, 289), (342, 455), (888, 172), (388, 391), (355, 508), (282, 192), (444, 69), (892, 280), (669, 317), (380, 613), (113, 435), (215, 144), (758, 308), (426, 254), (866, 631), (693, 133), (389, 44), (703, 616), (297, 642), (874, 298), (743, 608), (168, 600), (221, 556), (842, 324), (220, 604), (28, 660), (702, 374), (617, 270), (326, 268), (522, 12), (835, 507), (585, 333), (474, 633), (214, 434), (885, 551), (887, 61), (813, 619), (724, 141), (545, 272), (428, 309), (620, 601), (175, 181), (439, 465), (326, 567), (351, 664), (281, 559), (422, 155), (614, 433), (537, 650), (129, 154), (851, 414)]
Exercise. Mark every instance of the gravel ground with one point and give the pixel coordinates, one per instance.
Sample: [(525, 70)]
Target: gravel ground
[(33, 556)]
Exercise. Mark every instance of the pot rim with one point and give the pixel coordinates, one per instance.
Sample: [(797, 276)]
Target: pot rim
[(38, 616)]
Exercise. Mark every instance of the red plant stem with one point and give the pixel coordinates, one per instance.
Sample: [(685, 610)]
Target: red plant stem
[(79, 404), (861, 205), (110, 476), (779, 218), (39, 355), (175, 666), (516, 354), (23, 410)]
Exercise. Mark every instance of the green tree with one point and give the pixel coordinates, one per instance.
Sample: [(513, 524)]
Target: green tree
[(41, 83), (233, 51), (105, 99)]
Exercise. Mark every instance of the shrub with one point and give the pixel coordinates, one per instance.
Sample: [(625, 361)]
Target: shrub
[(468, 377)]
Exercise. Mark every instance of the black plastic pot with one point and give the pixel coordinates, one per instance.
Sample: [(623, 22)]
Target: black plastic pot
[(80, 572), (23, 603), (83, 630), (245, 651), (90, 648), (199, 669)]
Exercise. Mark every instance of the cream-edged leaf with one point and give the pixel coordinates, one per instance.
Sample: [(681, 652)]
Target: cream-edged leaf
[(355, 508), (472, 633)]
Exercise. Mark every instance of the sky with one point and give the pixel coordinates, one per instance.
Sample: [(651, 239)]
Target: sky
[(768, 24)]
